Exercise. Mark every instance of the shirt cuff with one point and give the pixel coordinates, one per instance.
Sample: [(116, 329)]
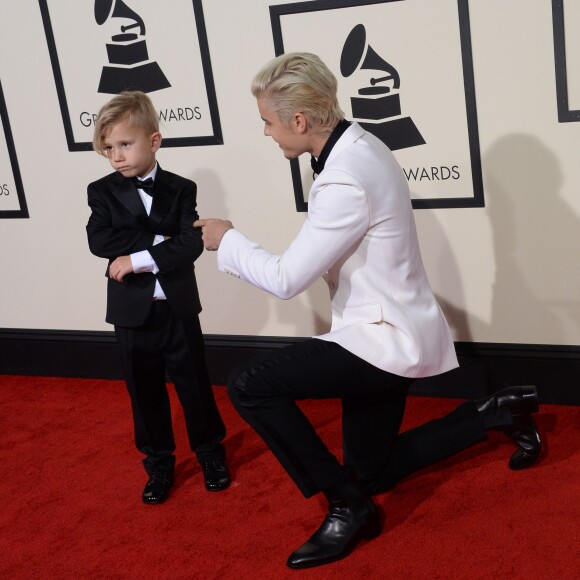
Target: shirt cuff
[(143, 262)]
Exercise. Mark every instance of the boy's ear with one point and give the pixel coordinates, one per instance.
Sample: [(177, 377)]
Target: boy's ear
[(156, 139)]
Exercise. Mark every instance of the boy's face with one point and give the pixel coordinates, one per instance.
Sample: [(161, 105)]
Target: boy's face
[(131, 150)]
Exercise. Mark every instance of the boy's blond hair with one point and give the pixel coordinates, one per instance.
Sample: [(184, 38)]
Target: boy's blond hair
[(299, 82), (134, 107)]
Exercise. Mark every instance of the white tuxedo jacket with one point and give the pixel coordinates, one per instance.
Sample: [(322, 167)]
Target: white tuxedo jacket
[(360, 236)]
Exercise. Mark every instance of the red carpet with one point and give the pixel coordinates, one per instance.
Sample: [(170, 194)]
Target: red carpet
[(71, 487)]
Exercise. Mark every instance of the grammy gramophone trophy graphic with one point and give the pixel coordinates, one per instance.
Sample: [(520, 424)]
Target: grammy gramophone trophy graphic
[(379, 104), (130, 67)]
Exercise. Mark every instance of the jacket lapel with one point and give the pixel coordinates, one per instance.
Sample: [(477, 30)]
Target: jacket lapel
[(127, 194), (162, 198)]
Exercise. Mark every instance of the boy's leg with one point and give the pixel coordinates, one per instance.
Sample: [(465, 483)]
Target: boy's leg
[(183, 351), (145, 378)]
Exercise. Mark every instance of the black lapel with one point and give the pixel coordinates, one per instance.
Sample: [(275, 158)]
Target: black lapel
[(318, 164), (162, 198), (127, 194)]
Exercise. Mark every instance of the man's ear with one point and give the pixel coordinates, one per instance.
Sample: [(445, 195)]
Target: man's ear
[(156, 139), (300, 122)]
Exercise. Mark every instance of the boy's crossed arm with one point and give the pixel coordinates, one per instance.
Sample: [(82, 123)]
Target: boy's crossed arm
[(120, 267), (123, 265)]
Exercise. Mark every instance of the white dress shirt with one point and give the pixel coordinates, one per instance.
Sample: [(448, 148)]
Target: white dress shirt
[(143, 261)]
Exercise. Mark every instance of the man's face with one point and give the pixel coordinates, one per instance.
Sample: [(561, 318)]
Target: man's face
[(131, 150), (290, 139)]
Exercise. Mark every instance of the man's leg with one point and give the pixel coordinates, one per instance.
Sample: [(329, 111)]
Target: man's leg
[(264, 391), (508, 411), (429, 443), (370, 426)]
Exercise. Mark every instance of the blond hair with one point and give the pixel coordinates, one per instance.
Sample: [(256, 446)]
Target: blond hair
[(299, 82), (134, 107)]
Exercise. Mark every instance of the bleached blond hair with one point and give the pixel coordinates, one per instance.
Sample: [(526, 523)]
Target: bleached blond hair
[(299, 82)]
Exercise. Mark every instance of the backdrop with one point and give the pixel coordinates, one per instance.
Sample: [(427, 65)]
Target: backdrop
[(474, 97)]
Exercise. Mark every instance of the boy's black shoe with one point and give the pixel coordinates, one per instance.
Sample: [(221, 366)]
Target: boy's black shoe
[(158, 486), (215, 474)]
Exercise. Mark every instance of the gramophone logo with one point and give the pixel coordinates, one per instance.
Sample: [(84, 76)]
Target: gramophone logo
[(99, 48), (378, 106), (388, 57), (129, 65)]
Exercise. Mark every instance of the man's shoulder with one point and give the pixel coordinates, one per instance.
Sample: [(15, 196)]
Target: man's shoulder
[(357, 149)]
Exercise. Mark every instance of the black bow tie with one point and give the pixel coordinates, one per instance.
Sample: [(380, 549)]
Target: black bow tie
[(317, 167), (146, 185)]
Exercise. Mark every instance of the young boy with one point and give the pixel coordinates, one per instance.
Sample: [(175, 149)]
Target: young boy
[(141, 222)]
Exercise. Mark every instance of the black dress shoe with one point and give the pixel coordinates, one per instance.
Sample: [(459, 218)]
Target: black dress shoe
[(509, 411), (519, 401), (351, 517), (524, 434), (215, 474), (158, 486)]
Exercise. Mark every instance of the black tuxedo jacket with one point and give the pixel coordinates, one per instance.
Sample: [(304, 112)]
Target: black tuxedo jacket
[(119, 226)]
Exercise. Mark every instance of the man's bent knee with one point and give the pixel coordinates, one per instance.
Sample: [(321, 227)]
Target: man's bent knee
[(242, 387)]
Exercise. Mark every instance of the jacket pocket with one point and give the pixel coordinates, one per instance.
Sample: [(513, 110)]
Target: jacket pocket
[(368, 313)]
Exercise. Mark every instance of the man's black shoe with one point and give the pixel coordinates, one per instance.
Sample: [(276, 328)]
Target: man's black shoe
[(215, 474), (509, 411), (351, 517), (524, 434), (158, 486), (518, 400)]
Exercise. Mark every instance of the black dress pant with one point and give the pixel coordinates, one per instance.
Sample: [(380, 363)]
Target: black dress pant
[(264, 391), (166, 344)]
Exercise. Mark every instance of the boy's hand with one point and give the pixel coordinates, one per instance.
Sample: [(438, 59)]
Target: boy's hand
[(120, 267), (212, 231)]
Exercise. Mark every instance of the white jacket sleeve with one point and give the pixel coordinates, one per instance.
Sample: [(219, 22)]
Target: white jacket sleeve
[(338, 218)]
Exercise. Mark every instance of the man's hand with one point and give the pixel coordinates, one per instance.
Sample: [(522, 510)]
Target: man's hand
[(120, 267), (212, 231)]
